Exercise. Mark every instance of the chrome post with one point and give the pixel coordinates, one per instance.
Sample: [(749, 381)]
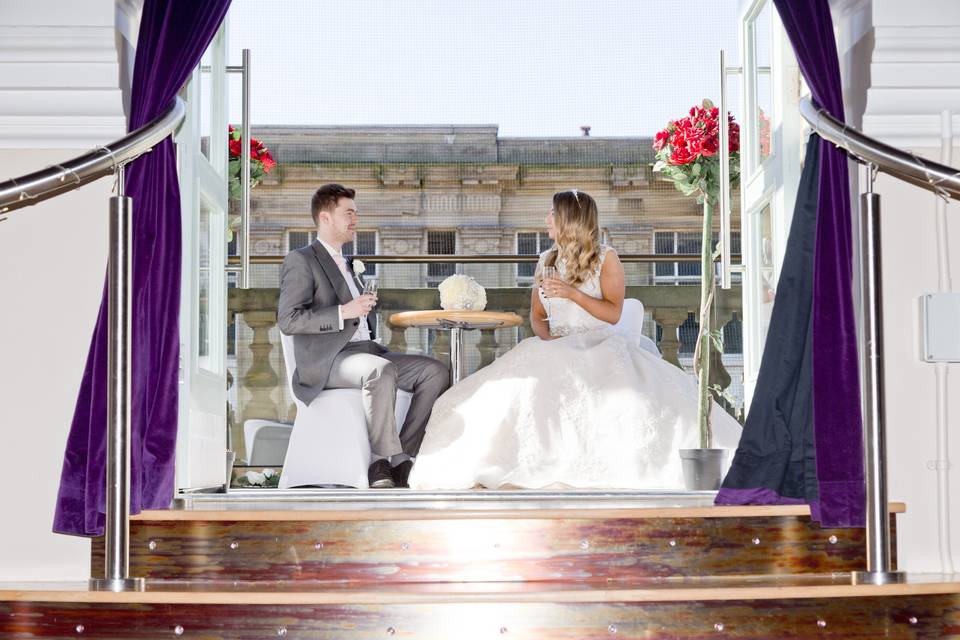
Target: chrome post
[(879, 570), (724, 158), (245, 173), (119, 305), (456, 353)]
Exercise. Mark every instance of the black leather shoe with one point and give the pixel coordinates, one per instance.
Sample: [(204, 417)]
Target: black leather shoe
[(401, 473), (379, 475)]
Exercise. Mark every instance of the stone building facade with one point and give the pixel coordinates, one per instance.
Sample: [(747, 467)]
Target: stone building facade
[(465, 190)]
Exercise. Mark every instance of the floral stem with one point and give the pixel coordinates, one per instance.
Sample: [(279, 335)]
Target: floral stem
[(702, 357)]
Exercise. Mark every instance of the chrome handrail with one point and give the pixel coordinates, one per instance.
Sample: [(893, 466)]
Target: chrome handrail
[(29, 189), (926, 174)]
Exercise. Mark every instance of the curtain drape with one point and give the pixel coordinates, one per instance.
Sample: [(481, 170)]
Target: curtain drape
[(837, 421), (173, 36)]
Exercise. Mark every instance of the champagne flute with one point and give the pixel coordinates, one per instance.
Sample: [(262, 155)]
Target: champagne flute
[(370, 287), (548, 272)]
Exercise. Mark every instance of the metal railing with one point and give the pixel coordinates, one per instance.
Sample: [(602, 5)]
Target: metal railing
[(233, 261), (38, 186), (926, 174), (50, 182)]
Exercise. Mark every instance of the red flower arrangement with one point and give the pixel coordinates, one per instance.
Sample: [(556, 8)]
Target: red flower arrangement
[(261, 162), (686, 152)]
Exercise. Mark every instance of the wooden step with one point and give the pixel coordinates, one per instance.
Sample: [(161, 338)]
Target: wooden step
[(830, 606), (394, 545)]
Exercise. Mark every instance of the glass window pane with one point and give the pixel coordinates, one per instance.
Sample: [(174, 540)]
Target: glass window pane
[(763, 30), (691, 269), (204, 275), (688, 243), (666, 269), (298, 239), (663, 242), (527, 244), (441, 243)]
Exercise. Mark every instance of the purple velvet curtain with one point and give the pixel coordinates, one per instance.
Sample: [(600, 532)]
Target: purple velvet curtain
[(838, 427), (173, 36)]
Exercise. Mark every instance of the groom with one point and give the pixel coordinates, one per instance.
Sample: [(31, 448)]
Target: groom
[(322, 307)]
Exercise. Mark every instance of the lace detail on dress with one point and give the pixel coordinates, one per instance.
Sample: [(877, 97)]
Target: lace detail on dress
[(567, 317)]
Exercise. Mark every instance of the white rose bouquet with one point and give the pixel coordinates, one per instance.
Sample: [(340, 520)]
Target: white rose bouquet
[(462, 292), (264, 478)]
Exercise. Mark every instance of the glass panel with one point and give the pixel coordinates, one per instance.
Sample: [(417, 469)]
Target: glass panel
[(478, 190), (204, 93), (204, 274), (767, 290), (764, 115)]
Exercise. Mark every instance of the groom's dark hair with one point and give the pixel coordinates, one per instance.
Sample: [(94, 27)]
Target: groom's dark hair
[(327, 197)]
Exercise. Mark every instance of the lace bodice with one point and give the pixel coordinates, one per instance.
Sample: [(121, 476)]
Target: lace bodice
[(566, 316)]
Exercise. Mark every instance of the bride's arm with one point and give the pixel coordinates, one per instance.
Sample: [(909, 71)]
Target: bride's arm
[(541, 328), (608, 307)]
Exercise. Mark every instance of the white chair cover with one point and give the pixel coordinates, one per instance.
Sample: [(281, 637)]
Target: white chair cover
[(329, 444), (265, 441), (631, 324)]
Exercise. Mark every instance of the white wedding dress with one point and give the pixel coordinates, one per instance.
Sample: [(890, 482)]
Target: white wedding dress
[(591, 409)]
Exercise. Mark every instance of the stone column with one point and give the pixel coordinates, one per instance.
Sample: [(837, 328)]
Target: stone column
[(670, 320)]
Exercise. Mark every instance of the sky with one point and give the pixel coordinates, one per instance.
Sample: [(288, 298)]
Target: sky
[(532, 67)]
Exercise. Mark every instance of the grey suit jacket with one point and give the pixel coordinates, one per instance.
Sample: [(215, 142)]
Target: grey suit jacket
[(311, 289)]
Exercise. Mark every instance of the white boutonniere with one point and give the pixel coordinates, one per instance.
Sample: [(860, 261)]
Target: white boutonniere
[(358, 267)]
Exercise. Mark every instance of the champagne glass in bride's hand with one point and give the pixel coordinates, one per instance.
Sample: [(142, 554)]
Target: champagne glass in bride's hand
[(548, 272)]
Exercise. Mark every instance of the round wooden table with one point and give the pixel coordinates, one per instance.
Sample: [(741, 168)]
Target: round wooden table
[(456, 321)]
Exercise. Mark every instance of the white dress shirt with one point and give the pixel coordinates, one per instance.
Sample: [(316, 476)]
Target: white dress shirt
[(363, 331)]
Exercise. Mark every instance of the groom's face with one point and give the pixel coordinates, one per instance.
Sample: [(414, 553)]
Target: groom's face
[(341, 223)]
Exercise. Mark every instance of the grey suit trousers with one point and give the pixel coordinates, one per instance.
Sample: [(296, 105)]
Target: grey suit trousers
[(379, 376)]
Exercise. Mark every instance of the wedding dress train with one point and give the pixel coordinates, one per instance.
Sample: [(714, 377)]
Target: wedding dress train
[(590, 409)]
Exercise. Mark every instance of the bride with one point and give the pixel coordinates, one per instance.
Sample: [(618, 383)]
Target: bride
[(581, 404)]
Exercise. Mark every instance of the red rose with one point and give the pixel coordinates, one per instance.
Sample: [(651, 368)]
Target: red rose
[(710, 146), (234, 148), (681, 156), (663, 137)]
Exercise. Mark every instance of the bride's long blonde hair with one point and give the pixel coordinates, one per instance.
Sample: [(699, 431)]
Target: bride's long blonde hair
[(578, 236)]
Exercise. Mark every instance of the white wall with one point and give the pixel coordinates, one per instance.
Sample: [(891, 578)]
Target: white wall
[(913, 74), (59, 95)]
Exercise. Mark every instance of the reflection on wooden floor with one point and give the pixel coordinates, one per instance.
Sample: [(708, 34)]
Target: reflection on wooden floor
[(524, 565)]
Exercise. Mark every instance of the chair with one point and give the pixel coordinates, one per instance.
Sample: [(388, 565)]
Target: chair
[(329, 444), (631, 325), (266, 441)]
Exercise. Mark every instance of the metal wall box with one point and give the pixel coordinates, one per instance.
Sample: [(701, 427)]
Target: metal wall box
[(940, 322)]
